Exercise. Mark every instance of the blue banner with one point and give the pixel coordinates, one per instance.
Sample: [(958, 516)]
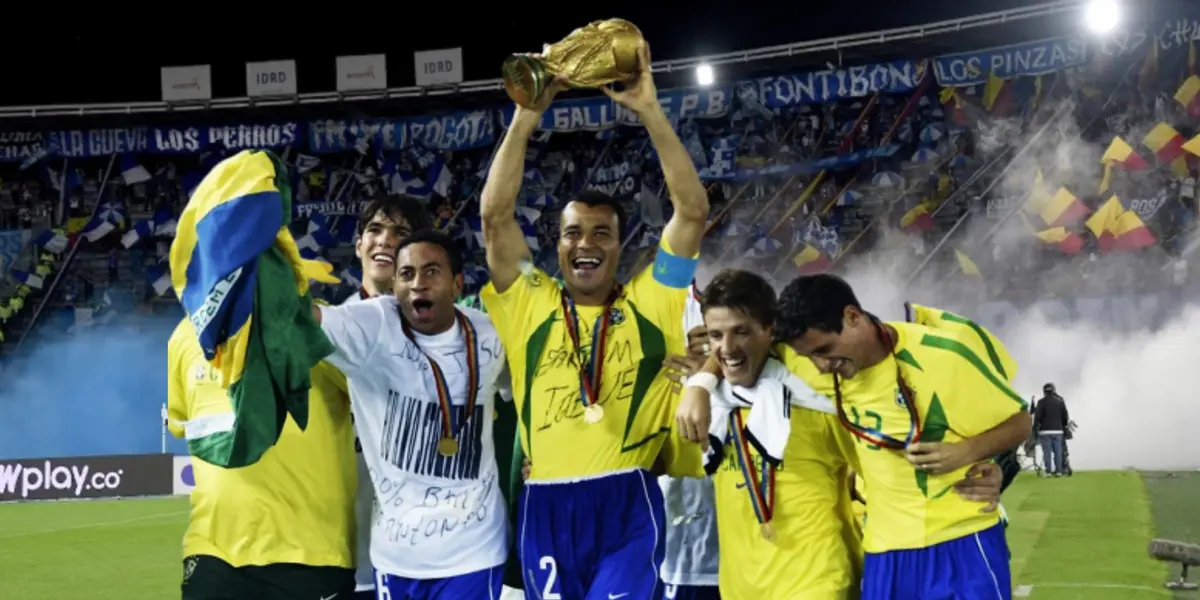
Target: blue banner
[(826, 86), (807, 167), (174, 140), (16, 146), (1034, 58), (456, 131), (597, 114)]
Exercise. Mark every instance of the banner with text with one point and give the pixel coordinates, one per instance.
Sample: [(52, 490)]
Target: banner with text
[(456, 131), (1006, 62), (597, 114), (1168, 34), (827, 86), (18, 146)]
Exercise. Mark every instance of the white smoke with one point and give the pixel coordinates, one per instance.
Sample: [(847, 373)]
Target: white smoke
[(1129, 380)]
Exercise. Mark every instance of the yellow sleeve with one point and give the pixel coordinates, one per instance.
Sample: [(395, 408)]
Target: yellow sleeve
[(972, 397), (178, 410), (332, 377), (660, 290), (680, 457), (512, 311), (841, 443)]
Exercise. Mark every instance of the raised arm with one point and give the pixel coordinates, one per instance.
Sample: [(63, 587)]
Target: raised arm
[(686, 227), (502, 236)]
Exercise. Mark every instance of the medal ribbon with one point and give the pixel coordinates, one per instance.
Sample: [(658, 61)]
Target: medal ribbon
[(874, 436), (762, 491), (450, 430), (590, 374)]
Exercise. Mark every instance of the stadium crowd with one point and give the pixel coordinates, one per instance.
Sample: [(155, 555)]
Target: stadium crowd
[(967, 178)]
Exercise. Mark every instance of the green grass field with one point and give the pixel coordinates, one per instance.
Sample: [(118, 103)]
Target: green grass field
[(1084, 537)]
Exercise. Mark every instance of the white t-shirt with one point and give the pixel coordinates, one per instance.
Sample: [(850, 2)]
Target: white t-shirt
[(691, 544), (435, 516), (364, 507)]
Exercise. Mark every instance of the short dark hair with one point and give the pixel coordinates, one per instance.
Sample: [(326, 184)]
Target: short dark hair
[(432, 236), (598, 198), (395, 208), (748, 292), (813, 302)]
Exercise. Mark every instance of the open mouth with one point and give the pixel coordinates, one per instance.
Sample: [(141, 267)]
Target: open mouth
[(586, 263), (422, 308), (733, 363), (382, 259)]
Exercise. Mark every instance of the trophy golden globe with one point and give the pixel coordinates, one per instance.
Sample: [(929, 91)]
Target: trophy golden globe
[(600, 53)]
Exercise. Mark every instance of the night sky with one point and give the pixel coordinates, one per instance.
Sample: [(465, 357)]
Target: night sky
[(111, 60)]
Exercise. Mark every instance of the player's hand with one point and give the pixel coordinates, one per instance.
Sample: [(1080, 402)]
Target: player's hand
[(982, 484), (698, 341), (694, 415), (526, 467), (938, 458), (679, 368), (639, 95), (558, 84)]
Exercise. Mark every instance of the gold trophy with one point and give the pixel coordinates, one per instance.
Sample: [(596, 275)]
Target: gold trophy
[(600, 53)]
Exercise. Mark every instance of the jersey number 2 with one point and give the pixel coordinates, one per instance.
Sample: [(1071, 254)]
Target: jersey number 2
[(547, 564)]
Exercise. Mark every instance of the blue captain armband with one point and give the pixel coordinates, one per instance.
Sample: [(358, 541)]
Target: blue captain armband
[(674, 271)]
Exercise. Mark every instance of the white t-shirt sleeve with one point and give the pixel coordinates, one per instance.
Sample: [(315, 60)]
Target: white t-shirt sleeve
[(354, 330), (802, 394)]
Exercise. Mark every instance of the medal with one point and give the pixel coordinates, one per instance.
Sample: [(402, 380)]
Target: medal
[(448, 444), (761, 490), (448, 447), (593, 414), (874, 436), (768, 532), (592, 370)]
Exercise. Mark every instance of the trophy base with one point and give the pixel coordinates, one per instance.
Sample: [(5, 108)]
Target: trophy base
[(525, 78)]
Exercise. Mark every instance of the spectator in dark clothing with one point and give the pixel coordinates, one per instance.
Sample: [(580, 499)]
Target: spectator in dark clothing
[(1050, 421)]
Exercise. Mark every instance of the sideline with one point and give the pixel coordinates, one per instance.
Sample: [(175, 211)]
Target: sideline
[(1025, 591)]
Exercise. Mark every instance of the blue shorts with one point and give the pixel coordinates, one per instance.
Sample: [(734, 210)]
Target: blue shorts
[(480, 585), (972, 567), (691, 592), (593, 539)]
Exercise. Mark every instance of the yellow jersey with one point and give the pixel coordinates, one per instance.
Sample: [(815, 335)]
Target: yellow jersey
[(815, 554), (296, 505), (635, 395), (957, 396)]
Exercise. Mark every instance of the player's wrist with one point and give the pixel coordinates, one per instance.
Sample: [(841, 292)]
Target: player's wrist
[(703, 380)]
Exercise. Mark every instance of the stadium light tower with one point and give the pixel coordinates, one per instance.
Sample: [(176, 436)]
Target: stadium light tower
[(704, 74), (1102, 16)]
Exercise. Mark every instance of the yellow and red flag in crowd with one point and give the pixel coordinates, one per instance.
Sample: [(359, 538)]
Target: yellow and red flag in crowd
[(811, 261), (1120, 154), (917, 220), (1167, 145), (1063, 209), (1068, 242), (1117, 228), (1188, 95)]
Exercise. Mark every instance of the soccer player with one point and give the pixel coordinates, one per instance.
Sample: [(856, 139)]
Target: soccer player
[(586, 364), (282, 527), (383, 224), (924, 407), (422, 377), (781, 461)]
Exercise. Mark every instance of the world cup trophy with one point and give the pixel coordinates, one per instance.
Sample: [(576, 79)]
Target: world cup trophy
[(600, 53)]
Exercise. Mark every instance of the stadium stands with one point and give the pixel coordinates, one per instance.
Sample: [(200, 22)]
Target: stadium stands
[(980, 172)]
